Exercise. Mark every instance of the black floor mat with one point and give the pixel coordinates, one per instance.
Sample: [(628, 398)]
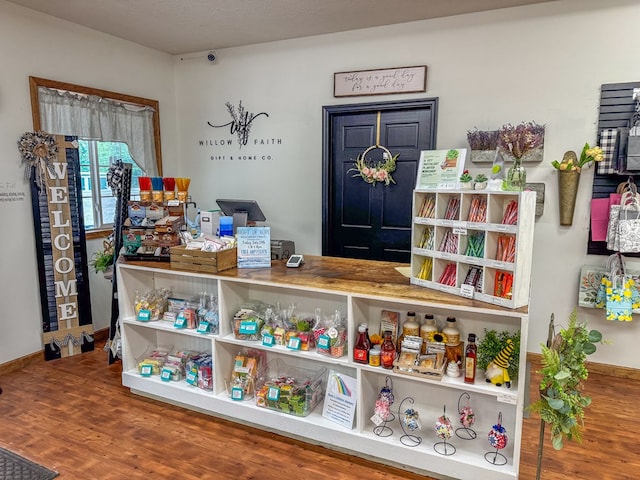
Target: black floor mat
[(15, 467)]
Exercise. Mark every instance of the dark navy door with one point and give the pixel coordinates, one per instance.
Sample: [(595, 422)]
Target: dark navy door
[(361, 220)]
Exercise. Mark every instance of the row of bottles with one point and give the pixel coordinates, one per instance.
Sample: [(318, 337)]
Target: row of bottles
[(384, 355), (364, 351)]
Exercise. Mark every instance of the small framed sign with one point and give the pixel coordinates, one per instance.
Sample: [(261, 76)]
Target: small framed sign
[(380, 82)]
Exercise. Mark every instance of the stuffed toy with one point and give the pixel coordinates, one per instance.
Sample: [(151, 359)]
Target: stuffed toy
[(496, 372)]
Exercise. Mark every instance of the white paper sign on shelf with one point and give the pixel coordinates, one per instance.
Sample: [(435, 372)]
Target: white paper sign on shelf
[(340, 399), (507, 398), (467, 290)]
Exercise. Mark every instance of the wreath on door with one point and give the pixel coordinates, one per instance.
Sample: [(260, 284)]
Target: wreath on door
[(375, 172)]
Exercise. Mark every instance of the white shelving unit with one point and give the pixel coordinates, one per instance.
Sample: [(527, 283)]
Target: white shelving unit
[(354, 299), (430, 231)]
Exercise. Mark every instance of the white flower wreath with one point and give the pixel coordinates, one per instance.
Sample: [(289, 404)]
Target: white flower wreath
[(38, 151), (378, 172)]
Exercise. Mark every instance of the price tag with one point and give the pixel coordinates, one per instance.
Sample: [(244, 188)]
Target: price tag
[(324, 342), (192, 378), (273, 394), (467, 290), (460, 230), (268, 340), (180, 321), (447, 223), (173, 203), (510, 399), (294, 343), (165, 375), (204, 327), (248, 327), (146, 370), (237, 393), (502, 228), (144, 315)]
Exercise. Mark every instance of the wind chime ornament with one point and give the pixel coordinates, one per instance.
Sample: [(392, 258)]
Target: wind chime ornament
[(497, 439), (411, 419), (444, 430), (467, 419), (38, 150), (382, 411), (410, 423)]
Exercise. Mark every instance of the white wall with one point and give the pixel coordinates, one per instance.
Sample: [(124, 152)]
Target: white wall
[(42, 46), (544, 62)]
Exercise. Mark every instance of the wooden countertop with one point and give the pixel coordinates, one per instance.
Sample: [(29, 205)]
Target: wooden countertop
[(345, 275)]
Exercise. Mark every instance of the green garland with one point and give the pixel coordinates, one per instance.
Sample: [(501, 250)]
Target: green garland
[(562, 402)]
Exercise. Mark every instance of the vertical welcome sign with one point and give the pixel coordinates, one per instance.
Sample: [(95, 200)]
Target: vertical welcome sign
[(62, 258)]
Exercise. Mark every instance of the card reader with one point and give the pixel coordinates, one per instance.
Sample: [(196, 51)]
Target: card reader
[(295, 261)]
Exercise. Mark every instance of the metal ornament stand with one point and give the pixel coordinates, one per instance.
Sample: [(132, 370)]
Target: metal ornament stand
[(498, 439), (465, 432), (409, 420), (384, 430), (444, 431)]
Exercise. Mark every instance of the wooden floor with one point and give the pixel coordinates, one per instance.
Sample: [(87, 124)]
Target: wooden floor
[(73, 416)]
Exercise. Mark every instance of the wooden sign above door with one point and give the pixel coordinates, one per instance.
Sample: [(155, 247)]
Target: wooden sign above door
[(380, 82)]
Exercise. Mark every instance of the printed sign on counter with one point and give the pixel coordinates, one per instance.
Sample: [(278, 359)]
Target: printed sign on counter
[(340, 399), (254, 247)]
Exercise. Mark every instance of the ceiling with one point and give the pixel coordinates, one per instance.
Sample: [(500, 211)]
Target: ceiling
[(189, 26)]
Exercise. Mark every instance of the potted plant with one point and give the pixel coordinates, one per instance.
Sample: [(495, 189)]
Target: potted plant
[(466, 180), (562, 401), (102, 260), (481, 181)]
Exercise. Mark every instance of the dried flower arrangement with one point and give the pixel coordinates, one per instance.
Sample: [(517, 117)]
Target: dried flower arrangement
[(482, 140), (521, 140)]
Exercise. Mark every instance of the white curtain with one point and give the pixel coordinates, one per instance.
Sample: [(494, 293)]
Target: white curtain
[(95, 118)]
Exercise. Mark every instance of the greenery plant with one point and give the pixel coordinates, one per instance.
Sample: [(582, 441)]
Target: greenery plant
[(562, 402), (481, 177), (102, 259), (492, 343), (466, 177)]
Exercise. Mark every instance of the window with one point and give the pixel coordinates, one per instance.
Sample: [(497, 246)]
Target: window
[(98, 202), (77, 114)]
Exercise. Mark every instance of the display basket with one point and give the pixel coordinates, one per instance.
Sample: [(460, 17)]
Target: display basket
[(151, 361), (206, 262), (289, 389)]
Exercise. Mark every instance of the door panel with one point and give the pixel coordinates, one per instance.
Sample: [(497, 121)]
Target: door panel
[(361, 220)]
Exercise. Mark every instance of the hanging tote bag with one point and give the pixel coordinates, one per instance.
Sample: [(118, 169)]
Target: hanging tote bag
[(609, 145), (618, 293), (633, 144), (629, 224)]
